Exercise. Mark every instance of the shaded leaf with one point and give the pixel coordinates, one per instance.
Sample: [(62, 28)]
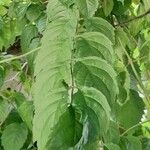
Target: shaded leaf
[(97, 73), (3, 10), (111, 146), (131, 112), (124, 86), (94, 44), (113, 134), (2, 75), (5, 109), (26, 112), (29, 32), (33, 12), (107, 6), (14, 136), (28, 36), (61, 139), (87, 7), (19, 98), (101, 25), (91, 125), (130, 143), (98, 103), (146, 144)]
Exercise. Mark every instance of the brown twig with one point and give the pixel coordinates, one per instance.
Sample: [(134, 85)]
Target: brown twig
[(133, 19), (137, 125)]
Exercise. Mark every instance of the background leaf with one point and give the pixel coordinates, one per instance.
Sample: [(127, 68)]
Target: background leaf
[(107, 6), (101, 25), (5, 109), (87, 7), (26, 110), (131, 113), (14, 136)]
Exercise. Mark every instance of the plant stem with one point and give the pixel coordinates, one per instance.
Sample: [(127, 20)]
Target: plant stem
[(134, 127), (20, 56), (72, 78), (133, 19), (136, 74), (17, 74)]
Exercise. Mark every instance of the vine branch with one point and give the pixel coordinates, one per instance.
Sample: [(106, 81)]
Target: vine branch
[(136, 74), (17, 74), (133, 19), (20, 56), (72, 77), (140, 123)]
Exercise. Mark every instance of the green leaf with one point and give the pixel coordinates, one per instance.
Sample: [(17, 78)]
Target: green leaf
[(131, 112), (122, 35), (132, 42), (13, 117), (14, 136), (121, 7), (123, 94), (146, 129), (61, 139), (136, 26), (98, 103), (68, 3), (19, 98), (113, 134), (8, 33), (136, 53), (130, 143), (136, 1), (91, 128), (101, 25), (111, 146), (1, 23), (124, 84), (33, 12), (41, 23), (20, 10), (122, 1), (97, 73), (107, 6), (88, 7), (91, 125), (3, 10), (147, 7), (29, 32), (10, 29), (2, 75), (26, 112), (146, 144), (5, 2), (145, 54), (123, 39), (5, 109), (52, 70), (94, 44)]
